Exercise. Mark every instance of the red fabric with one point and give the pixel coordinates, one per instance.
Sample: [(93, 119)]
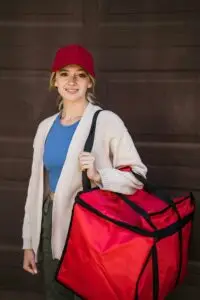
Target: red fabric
[(73, 55), (103, 260)]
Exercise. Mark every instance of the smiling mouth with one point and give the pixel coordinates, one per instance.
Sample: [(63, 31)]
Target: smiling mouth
[(71, 91)]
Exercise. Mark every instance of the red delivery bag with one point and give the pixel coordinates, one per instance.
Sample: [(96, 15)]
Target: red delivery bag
[(126, 247)]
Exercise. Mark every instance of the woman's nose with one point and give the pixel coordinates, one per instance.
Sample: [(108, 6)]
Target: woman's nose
[(72, 79)]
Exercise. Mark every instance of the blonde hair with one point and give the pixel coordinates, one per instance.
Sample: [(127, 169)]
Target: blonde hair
[(90, 95)]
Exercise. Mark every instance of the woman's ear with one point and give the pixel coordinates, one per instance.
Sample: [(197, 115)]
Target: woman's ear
[(55, 83), (89, 85)]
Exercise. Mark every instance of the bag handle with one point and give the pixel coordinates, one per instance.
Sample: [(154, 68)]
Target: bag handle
[(88, 148), (157, 191)]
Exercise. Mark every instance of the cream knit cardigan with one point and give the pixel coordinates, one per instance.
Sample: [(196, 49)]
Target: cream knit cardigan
[(113, 148)]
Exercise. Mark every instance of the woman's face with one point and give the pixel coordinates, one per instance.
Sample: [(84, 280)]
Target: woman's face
[(72, 83)]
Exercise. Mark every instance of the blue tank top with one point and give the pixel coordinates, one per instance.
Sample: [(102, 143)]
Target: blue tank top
[(56, 148)]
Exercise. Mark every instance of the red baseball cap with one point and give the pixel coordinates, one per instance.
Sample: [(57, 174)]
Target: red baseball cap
[(73, 55)]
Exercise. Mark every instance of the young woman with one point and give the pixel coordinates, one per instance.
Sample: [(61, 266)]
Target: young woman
[(59, 159)]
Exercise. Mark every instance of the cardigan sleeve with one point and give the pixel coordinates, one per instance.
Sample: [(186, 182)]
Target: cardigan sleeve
[(123, 154), (26, 232)]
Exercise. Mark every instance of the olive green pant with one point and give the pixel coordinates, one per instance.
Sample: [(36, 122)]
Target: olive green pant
[(53, 290)]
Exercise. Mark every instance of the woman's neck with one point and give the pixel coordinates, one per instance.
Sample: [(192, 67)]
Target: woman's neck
[(73, 110)]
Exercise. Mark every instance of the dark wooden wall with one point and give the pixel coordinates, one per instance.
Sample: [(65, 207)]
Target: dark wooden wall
[(147, 60)]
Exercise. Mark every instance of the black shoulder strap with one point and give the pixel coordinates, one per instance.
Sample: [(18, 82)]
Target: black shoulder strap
[(88, 148), (90, 140)]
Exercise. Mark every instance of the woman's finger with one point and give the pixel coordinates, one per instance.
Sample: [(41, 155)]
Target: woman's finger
[(30, 267), (85, 166), (85, 154), (87, 160)]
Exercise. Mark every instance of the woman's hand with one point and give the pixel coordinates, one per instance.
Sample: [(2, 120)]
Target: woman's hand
[(87, 162), (29, 264)]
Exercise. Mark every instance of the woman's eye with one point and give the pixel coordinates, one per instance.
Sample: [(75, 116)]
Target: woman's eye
[(63, 74), (82, 75)]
